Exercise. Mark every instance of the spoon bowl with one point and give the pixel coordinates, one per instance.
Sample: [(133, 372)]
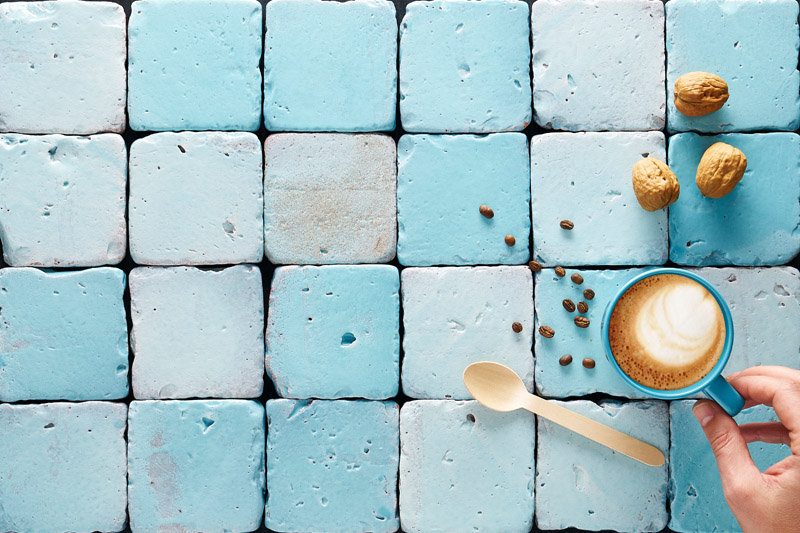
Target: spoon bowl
[(496, 386)]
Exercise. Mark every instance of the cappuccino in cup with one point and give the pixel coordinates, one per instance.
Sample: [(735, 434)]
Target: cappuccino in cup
[(666, 332)]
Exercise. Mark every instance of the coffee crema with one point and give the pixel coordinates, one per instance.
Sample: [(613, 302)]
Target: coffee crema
[(667, 332)]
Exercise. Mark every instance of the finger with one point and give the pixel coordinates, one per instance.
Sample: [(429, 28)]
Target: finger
[(772, 432), (736, 467), (783, 395), (780, 372)]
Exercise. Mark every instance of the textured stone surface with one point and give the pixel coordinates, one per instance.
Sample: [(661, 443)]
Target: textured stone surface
[(442, 182), (63, 335), (696, 499), (62, 199), (752, 45), (758, 223), (586, 178), (583, 484), (465, 66), (62, 467), (464, 467), (340, 322), (455, 316), (330, 198), (197, 333), (196, 198), (195, 465), (332, 466), (598, 65), (194, 65), (343, 79), (62, 67)]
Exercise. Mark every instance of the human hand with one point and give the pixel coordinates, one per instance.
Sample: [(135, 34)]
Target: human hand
[(768, 501)]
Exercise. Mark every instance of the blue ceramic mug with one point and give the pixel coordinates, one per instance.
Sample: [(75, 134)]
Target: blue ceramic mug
[(712, 384)]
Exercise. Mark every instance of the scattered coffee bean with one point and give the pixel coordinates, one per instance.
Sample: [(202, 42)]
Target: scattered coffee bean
[(583, 307), (486, 211), (565, 360), (510, 240), (588, 294), (576, 278), (535, 266), (588, 362), (581, 321), (517, 327), (566, 224), (546, 331), (560, 272), (568, 304)]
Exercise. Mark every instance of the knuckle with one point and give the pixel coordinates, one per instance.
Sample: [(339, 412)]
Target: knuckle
[(721, 442)]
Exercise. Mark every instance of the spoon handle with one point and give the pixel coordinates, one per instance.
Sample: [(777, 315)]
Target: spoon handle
[(625, 444)]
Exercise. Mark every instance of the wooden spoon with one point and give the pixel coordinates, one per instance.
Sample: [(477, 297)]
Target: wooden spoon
[(499, 388)]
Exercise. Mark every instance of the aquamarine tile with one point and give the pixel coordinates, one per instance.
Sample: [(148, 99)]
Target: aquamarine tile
[(696, 498), (193, 65), (753, 46), (341, 322), (442, 182), (758, 223), (598, 65), (197, 333), (196, 465), (196, 199), (583, 484), (342, 79), (332, 466), (464, 468), (62, 467), (63, 335), (586, 178), (62, 67), (465, 66)]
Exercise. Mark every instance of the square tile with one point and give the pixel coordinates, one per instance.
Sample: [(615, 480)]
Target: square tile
[(195, 465), (344, 79), (442, 182), (753, 46), (465, 66), (62, 200), (332, 466), (341, 322), (63, 467), (197, 333), (455, 316), (583, 484), (330, 198), (193, 65), (464, 467), (62, 67), (196, 199), (598, 65), (63, 335), (758, 223), (586, 178)]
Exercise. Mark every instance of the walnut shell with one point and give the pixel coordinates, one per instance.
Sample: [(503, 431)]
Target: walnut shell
[(720, 169), (654, 184), (700, 93)]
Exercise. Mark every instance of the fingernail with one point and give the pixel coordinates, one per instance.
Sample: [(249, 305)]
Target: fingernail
[(703, 412)]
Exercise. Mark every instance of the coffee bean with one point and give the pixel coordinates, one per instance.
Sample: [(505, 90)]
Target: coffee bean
[(535, 266), (588, 294), (566, 224), (581, 321), (576, 278), (583, 307), (510, 240), (568, 304), (546, 331), (517, 327), (588, 362), (560, 272), (565, 360), (486, 211)]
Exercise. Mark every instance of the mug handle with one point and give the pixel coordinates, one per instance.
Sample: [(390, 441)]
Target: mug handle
[(725, 395)]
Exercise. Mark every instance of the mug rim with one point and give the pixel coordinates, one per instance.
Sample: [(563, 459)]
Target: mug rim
[(727, 347)]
